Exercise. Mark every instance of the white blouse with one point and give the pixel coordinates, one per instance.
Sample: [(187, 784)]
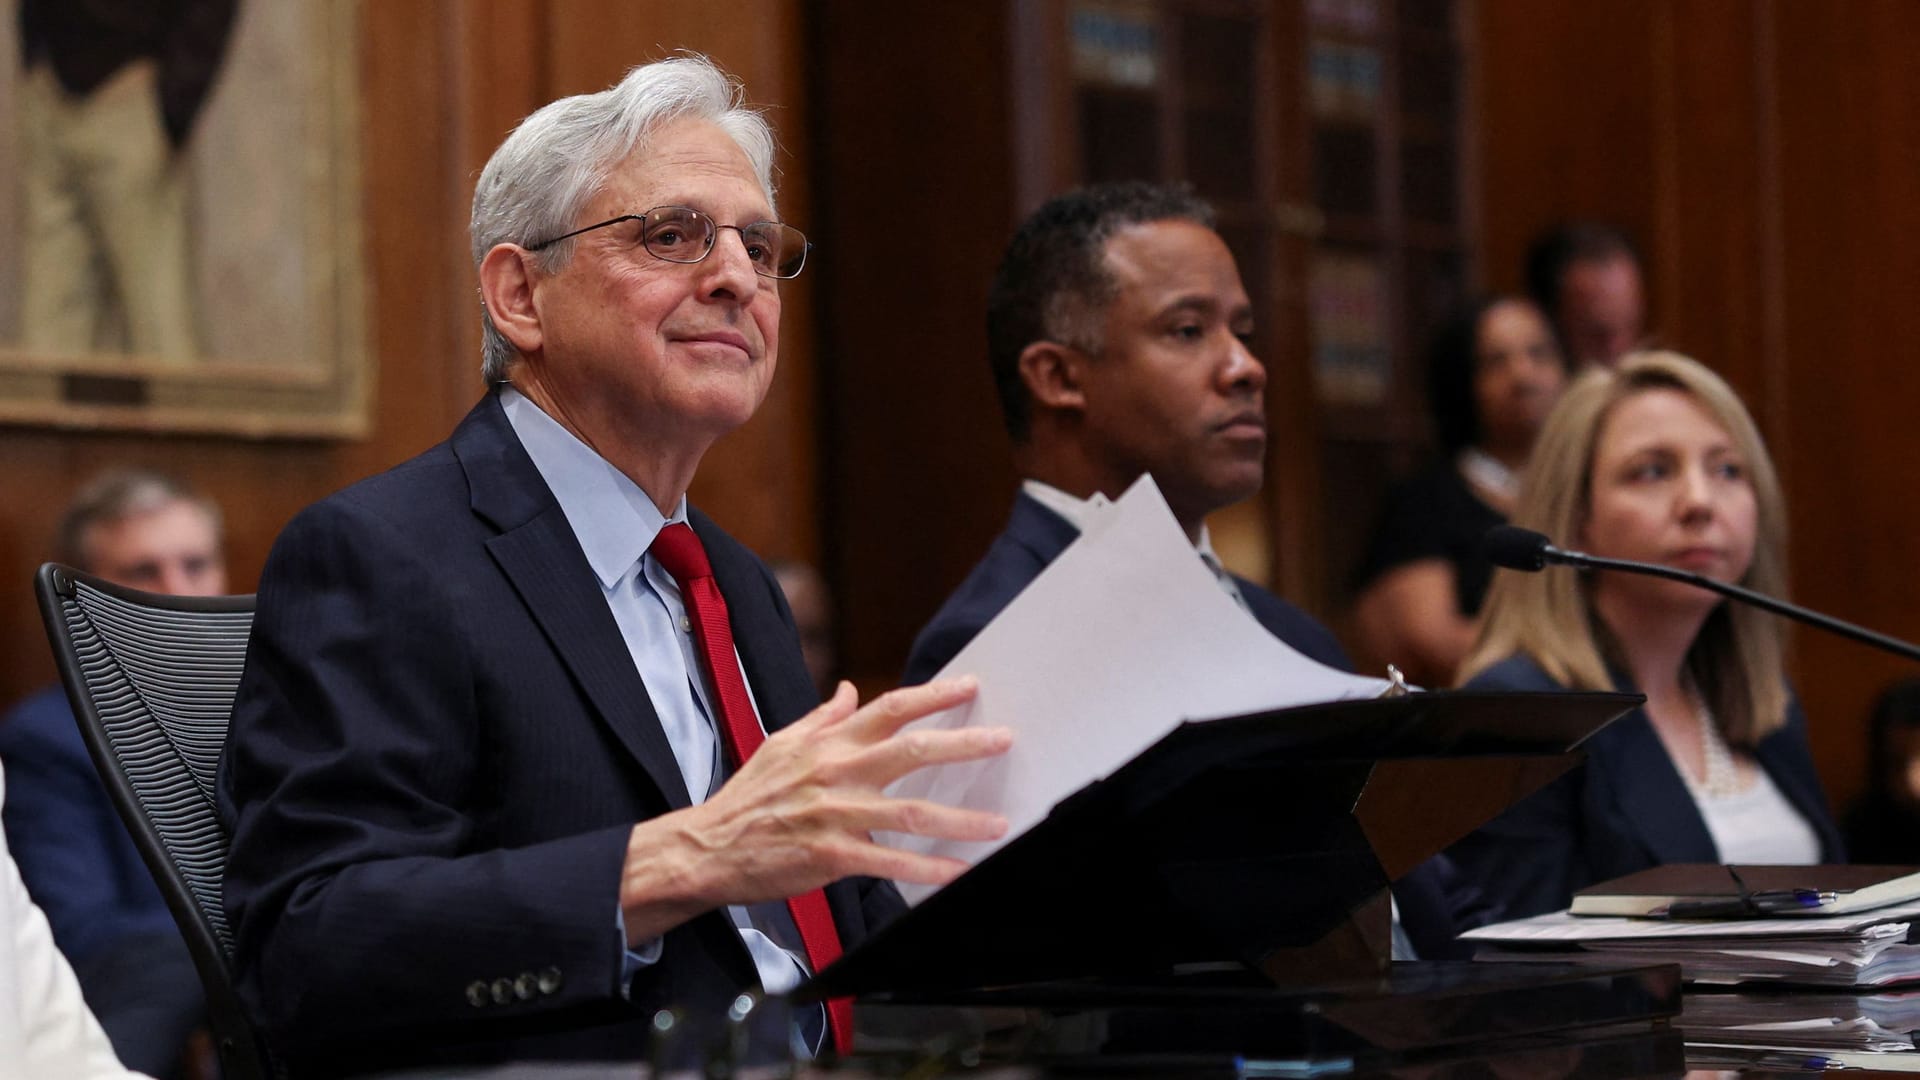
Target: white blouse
[(1757, 826)]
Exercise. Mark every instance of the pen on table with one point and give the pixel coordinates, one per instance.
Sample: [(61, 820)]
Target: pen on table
[(1797, 1063), (1774, 902)]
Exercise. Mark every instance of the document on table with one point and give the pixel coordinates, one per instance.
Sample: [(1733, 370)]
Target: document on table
[(1559, 927), (1118, 641), (1864, 949), (1804, 1020)]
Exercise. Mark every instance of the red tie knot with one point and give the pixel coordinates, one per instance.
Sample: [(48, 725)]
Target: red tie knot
[(681, 554)]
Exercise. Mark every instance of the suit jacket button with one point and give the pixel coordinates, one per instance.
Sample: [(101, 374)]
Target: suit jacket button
[(502, 990), (549, 980), (525, 986), (477, 994)]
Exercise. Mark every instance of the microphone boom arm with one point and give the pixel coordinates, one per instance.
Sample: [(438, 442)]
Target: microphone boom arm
[(1760, 600)]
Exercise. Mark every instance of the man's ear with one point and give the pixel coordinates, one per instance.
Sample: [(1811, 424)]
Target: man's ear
[(506, 288), (1055, 375)]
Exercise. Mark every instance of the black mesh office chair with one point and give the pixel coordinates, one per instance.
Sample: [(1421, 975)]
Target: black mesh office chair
[(152, 680)]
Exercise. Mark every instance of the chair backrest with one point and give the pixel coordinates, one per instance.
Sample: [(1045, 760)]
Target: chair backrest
[(152, 680)]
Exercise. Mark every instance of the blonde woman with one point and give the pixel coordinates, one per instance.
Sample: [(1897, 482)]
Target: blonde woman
[(1654, 460)]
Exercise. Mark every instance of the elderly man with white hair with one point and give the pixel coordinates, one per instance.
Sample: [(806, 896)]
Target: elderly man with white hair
[(525, 748)]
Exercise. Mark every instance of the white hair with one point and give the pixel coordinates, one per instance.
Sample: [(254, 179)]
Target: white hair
[(546, 171)]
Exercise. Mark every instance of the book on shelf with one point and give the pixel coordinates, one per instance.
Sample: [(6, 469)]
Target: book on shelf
[(1713, 891)]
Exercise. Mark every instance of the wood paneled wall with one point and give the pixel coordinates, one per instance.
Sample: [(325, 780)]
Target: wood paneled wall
[(1767, 155), (1765, 152), (913, 140), (442, 82)]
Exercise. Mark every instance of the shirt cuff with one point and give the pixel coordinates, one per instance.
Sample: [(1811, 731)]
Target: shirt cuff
[(634, 959)]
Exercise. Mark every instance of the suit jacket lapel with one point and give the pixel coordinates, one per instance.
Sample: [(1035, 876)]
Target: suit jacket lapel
[(539, 554), (1652, 798)]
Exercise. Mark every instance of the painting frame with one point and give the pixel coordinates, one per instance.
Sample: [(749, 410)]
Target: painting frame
[(317, 385)]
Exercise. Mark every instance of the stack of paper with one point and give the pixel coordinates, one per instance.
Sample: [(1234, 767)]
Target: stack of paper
[(1118, 641), (1876, 1022), (1866, 949)]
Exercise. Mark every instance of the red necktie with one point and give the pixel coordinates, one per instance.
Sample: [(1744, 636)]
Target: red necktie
[(682, 555)]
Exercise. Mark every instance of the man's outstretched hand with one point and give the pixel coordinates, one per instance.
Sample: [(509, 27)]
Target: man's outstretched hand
[(802, 811)]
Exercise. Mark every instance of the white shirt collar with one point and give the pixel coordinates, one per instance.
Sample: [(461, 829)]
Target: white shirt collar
[(1075, 510), (614, 520)]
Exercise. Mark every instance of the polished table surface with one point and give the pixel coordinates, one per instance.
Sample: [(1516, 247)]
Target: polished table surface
[(1691, 1064), (1424, 1026)]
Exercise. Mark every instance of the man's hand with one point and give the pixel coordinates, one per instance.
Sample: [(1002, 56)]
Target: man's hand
[(801, 812)]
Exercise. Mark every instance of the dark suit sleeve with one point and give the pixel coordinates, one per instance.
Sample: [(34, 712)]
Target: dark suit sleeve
[(1523, 862), (1527, 860), (352, 781)]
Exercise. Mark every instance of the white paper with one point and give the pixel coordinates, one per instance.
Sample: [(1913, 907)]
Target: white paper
[(1121, 638), (1560, 927), (1861, 949)]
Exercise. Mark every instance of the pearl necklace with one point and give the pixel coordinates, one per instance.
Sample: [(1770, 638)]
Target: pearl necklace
[(1720, 777)]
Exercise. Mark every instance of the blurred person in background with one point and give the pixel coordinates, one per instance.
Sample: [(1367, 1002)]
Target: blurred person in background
[(1883, 825), (147, 531), (1494, 371), (1587, 276), (812, 607), (1655, 460)]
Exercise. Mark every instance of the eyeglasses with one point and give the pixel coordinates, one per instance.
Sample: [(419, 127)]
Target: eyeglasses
[(681, 234)]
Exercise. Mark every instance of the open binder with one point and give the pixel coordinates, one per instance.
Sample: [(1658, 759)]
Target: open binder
[(1262, 842)]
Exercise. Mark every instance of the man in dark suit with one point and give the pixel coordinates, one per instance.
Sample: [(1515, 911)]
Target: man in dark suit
[(1117, 330), (146, 531), (492, 777)]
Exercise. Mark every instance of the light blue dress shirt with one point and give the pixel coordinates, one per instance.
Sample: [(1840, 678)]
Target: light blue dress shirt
[(615, 522)]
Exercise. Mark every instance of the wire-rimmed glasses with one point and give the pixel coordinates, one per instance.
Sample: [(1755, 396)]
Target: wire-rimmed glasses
[(681, 234)]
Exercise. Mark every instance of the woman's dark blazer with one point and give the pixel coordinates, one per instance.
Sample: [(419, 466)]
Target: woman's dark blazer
[(1624, 809)]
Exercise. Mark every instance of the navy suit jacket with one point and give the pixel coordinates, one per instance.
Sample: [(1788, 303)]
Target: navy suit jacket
[(1623, 810), (1033, 538), (438, 751), (75, 854)]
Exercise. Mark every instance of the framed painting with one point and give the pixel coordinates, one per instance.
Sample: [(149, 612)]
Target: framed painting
[(180, 230)]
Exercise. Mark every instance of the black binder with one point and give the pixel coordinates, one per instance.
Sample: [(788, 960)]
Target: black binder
[(1262, 843)]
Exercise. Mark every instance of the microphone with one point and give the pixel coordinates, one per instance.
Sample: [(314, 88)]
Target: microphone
[(1517, 549), (1523, 549)]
